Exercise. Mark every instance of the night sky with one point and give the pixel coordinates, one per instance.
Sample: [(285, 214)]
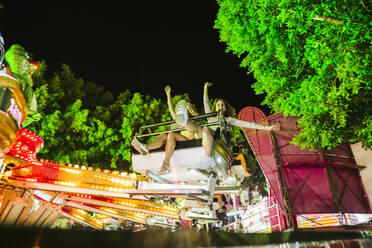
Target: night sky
[(140, 46)]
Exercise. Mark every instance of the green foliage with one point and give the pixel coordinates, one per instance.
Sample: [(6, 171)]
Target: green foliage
[(83, 124), (307, 65)]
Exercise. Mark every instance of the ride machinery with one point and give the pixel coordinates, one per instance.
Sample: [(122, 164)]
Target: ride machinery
[(306, 188)]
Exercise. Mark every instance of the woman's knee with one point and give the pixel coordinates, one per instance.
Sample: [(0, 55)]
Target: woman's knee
[(206, 130), (163, 137), (171, 135)]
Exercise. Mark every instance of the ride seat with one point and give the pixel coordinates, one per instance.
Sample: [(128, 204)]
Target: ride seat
[(186, 156)]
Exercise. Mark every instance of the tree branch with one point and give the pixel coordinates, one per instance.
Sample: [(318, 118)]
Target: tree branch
[(328, 19), (364, 6)]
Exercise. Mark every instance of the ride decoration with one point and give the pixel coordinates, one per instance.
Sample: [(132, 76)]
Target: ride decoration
[(30, 168), (13, 110), (144, 207), (25, 147), (95, 184), (17, 59), (134, 210), (22, 70), (17, 100)]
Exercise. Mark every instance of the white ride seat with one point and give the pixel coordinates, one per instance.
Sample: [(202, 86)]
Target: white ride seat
[(184, 164)]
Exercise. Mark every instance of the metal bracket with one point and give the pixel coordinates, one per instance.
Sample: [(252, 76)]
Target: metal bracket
[(211, 187), (196, 198)]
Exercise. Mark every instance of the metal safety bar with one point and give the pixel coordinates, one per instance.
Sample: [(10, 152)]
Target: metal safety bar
[(176, 129), (264, 219)]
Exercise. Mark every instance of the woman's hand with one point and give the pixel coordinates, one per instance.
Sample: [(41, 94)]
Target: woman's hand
[(167, 89), (275, 127), (207, 84)]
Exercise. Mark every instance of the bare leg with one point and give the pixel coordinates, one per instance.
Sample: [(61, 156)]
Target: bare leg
[(170, 146), (208, 141), (244, 164), (157, 142), (145, 148), (205, 133)]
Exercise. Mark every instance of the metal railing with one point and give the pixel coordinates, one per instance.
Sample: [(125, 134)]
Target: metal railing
[(264, 215), (148, 127)]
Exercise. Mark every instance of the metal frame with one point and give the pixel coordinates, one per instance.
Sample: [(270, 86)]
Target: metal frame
[(283, 186), (140, 135), (331, 186)]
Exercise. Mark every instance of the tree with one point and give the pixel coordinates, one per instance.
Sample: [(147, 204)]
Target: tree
[(83, 124), (65, 125), (311, 59)]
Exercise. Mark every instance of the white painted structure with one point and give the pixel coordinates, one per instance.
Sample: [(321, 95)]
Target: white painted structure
[(364, 157), (184, 165)]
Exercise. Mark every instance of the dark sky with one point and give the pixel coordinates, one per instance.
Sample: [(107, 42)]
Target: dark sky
[(139, 46)]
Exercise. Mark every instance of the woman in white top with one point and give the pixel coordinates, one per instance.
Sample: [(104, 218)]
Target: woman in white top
[(169, 139)]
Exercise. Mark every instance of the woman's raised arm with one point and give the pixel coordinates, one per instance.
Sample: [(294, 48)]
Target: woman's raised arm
[(251, 125), (207, 108), (167, 90)]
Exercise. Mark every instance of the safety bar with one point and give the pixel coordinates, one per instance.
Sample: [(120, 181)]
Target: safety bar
[(172, 122), (176, 130)]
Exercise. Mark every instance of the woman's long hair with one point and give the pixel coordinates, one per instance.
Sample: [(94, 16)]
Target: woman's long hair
[(191, 109), (230, 111)]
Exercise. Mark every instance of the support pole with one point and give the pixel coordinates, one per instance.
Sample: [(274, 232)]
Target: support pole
[(283, 185), (2, 166), (332, 187)]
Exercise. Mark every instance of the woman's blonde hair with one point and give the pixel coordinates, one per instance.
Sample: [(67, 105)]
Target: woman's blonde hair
[(191, 108)]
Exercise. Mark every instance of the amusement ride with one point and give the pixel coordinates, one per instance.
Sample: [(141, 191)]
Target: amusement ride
[(40, 193)]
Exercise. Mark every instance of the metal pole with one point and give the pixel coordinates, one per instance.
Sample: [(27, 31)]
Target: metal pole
[(176, 130), (331, 185), (259, 212), (2, 167), (172, 122), (278, 216), (283, 185)]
